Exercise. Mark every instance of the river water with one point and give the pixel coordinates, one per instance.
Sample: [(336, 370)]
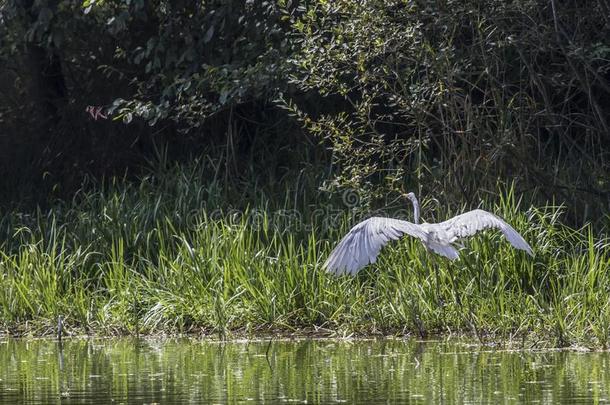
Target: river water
[(172, 371)]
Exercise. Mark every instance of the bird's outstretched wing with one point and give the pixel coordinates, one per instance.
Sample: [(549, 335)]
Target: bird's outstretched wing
[(361, 245), (471, 222)]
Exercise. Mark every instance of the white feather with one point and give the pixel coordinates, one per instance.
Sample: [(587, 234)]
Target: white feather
[(362, 244)]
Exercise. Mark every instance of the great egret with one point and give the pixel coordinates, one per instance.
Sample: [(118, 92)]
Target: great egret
[(363, 242)]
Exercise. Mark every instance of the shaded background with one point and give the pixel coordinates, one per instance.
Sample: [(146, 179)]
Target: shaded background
[(447, 98)]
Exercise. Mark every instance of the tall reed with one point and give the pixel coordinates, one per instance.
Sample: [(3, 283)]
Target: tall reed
[(169, 255)]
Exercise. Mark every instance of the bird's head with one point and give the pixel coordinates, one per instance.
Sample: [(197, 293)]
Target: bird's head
[(410, 196)]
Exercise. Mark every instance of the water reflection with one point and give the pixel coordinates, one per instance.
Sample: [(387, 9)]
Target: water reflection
[(386, 371)]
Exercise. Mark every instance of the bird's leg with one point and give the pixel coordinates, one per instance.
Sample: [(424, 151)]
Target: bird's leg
[(456, 296), (438, 284), (470, 316), (437, 294)]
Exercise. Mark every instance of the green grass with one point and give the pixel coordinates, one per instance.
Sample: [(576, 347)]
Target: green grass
[(169, 255)]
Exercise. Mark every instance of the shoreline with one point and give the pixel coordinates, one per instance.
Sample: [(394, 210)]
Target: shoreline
[(522, 343)]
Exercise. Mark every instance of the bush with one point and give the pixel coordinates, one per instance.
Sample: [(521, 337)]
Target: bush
[(450, 98)]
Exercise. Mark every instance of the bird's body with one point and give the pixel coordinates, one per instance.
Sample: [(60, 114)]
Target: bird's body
[(361, 245)]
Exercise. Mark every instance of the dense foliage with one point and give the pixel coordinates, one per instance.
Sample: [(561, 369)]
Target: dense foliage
[(164, 68), (455, 95), (448, 97)]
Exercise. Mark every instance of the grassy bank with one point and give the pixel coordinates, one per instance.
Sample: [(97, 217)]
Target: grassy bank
[(170, 254)]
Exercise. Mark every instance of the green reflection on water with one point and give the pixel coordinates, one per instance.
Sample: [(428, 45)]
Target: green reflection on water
[(313, 371)]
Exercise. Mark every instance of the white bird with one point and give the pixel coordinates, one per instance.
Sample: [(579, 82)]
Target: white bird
[(363, 242)]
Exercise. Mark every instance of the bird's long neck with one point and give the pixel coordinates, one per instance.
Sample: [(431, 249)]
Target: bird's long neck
[(415, 210)]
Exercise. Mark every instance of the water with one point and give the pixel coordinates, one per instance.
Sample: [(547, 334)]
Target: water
[(132, 371)]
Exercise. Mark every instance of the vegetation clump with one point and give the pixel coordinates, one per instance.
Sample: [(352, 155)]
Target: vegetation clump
[(161, 257)]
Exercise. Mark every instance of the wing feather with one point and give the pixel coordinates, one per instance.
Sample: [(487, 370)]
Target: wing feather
[(444, 250), (471, 222), (361, 245)]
